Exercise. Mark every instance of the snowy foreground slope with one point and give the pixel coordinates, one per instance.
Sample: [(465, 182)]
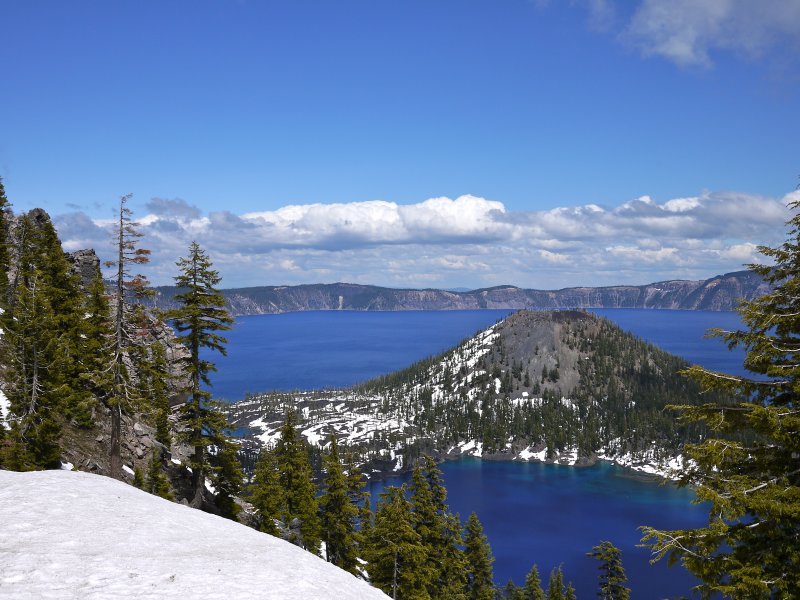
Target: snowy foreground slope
[(76, 535)]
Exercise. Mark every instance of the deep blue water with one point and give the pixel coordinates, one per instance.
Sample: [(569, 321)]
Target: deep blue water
[(334, 349), (549, 515), (531, 512), (327, 349)]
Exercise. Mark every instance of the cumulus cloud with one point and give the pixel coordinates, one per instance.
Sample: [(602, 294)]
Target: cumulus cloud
[(466, 241), (687, 31)]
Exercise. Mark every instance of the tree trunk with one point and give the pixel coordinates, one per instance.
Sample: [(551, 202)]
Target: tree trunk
[(115, 454), (198, 478)]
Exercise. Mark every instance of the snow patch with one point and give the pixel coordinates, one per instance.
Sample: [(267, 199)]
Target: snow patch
[(141, 546)]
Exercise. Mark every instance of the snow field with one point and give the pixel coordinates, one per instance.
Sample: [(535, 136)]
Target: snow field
[(78, 535)]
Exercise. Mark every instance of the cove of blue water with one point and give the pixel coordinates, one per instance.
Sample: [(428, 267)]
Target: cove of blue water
[(551, 515)]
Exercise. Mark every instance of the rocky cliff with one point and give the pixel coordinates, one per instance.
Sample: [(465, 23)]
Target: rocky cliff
[(718, 293)]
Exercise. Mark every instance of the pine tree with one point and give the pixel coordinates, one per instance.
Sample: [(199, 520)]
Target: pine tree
[(156, 482), (395, 554), (555, 585), (226, 476), (154, 377), (570, 593), (337, 513), (267, 495), (128, 287), (747, 468), (299, 490), (96, 343), (198, 320), (439, 531), (38, 347), (5, 256), (533, 585), (512, 591), (612, 573), (138, 478), (479, 559)]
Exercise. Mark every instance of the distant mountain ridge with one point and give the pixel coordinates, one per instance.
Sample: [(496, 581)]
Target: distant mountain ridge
[(722, 292)]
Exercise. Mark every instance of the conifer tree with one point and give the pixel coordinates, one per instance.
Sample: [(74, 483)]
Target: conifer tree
[(337, 513), (5, 257), (226, 475), (612, 573), (512, 591), (570, 593), (156, 482), (198, 320), (128, 287), (395, 554), (96, 343), (555, 585), (747, 468), (299, 490), (439, 531), (39, 329), (138, 478), (479, 559), (154, 375), (267, 492), (533, 585)]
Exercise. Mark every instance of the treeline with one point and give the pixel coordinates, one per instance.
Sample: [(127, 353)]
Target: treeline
[(81, 354), (411, 546)]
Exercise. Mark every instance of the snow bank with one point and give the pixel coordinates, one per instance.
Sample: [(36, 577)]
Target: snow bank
[(77, 535)]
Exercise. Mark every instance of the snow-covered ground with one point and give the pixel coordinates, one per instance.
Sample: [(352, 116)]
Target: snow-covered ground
[(76, 535)]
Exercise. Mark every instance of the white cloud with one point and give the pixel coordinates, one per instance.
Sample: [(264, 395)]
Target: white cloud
[(687, 32), (467, 241)]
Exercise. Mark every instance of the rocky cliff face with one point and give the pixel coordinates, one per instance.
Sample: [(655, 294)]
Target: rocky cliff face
[(718, 293)]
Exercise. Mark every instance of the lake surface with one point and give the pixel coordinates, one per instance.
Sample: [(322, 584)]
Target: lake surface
[(549, 515), (330, 349), (532, 513)]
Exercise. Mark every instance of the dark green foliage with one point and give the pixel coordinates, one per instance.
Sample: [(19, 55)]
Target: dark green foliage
[(5, 213), (38, 347), (439, 531), (512, 591), (337, 513), (396, 556), (156, 482), (747, 468), (533, 585), (155, 377), (198, 320), (295, 476), (612, 573), (138, 478), (226, 476), (267, 495), (570, 593), (479, 559), (555, 585)]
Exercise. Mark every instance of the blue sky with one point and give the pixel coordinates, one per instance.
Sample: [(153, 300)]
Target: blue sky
[(418, 143)]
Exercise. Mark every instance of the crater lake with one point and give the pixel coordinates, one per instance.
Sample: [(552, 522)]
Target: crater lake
[(531, 512)]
